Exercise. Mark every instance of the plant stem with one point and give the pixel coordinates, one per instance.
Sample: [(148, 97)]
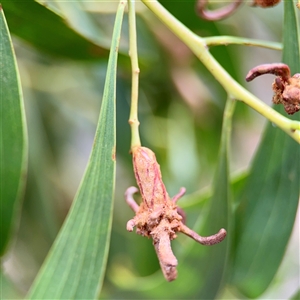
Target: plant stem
[(225, 40), (226, 127), (133, 118), (234, 90)]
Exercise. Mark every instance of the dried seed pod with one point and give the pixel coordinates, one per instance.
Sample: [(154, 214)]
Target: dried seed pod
[(158, 216)]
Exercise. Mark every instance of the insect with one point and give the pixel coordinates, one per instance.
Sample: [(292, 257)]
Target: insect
[(286, 88), (158, 216)]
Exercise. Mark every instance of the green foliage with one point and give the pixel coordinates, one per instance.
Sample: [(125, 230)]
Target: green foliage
[(13, 140), (218, 216), (61, 39), (265, 215), (201, 141), (75, 265)]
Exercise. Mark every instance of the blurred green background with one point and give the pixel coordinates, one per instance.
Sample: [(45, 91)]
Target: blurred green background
[(63, 65)]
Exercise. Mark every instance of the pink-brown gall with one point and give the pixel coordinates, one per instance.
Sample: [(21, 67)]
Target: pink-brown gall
[(286, 88), (158, 216)]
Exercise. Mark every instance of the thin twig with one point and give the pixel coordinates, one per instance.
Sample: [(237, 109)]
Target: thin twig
[(235, 90), (227, 40), (133, 118)]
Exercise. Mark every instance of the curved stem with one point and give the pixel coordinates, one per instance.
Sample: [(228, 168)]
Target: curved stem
[(226, 40), (133, 118), (227, 124), (235, 90)]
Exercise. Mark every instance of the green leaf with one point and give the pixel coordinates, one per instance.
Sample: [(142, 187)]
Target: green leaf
[(7, 289), (268, 204), (291, 40), (213, 262), (48, 32), (13, 138), (75, 266), (200, 197), (296, 296), (82, 22)]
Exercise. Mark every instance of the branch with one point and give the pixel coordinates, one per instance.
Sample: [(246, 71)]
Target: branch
[(235, 90)]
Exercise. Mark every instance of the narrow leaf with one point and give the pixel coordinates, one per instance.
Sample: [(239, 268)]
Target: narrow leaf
[(75, 266), (212, 262), (47, 31), (13, 138), (200, 197), (219, 215), (291, 39), (296, 296), (7, 288), (82, 22), (268, 204)]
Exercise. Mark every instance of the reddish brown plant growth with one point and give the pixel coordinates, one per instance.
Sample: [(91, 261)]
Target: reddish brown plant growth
[(217, 14), (226, 11), (158, 216), (286, 88), (265, 3)]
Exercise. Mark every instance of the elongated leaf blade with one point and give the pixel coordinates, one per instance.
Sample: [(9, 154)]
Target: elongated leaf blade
[(210, 262), (214, 262), (268, 204), (296, 296), (291, 39), (13, 138), (82, 22), (7, 289), (48, 32), (75, 266)]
